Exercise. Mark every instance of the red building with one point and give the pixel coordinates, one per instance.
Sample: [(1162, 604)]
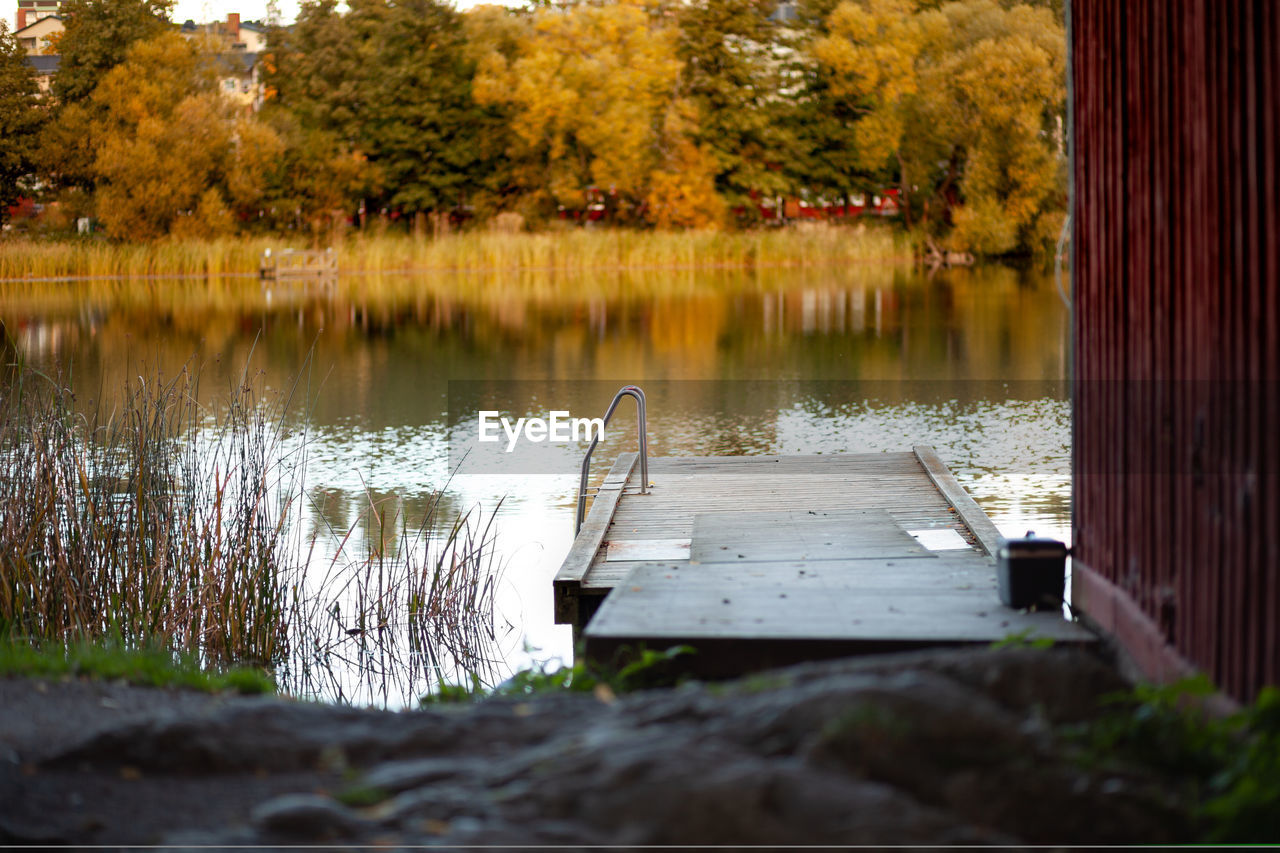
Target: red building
[(1176, 171)]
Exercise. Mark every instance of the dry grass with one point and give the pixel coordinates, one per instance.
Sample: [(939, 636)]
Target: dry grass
[(400, 609), (143, 522), (568, 250), (165, 523)]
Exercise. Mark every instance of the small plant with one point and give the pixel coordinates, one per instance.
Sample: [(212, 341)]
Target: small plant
[(1023, 640), (632, 670), (1229, 767), (362, 796)]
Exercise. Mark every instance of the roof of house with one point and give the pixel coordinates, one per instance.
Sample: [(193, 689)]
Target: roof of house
[(190, 26), (46, 19), (238, 61), (44, 64)]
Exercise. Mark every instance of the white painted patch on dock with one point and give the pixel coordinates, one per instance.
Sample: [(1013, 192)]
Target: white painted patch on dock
[(647, 549), (944, 539)]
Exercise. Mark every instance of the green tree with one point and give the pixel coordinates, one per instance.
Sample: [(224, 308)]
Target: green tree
[(20, 119), (393, 82), (98, 35), (287, 176), (734, 75)]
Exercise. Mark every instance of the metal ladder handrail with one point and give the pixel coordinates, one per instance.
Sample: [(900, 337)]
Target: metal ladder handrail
[(634, 392)]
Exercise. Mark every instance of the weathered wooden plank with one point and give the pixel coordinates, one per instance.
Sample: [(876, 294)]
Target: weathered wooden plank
[(972, 515), (795, 593), (854, 601), (606, 576), (583, 551), (799, 535), (793, 461)]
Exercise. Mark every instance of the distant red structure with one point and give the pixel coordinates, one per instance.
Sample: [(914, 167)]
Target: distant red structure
[(1176, 110), (884, 203), (597, 204)]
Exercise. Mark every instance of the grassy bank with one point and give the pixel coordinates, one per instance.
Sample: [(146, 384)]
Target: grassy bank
[(571, 250), (146, 667)]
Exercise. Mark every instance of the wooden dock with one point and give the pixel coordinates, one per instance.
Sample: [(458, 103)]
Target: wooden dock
[(768, 560), (299, 265)]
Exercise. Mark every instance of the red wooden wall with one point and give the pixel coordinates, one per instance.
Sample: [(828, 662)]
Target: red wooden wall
[(1176, 116)]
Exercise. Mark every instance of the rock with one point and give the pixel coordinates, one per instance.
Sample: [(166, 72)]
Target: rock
[(308, 817), (930, 748), (396, 776)]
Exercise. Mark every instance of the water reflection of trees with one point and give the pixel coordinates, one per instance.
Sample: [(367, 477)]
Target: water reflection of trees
[(374, 357)]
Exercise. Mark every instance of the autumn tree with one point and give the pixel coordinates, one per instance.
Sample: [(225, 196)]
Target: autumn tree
[(20, 119), (98, 36), (593, 99), (825, 110), (168, 145), (1002, 68), (964, 102), (163, 132)]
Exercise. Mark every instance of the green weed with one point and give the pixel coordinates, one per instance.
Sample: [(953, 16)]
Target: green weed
[(1229, 766), (147, 666), (632, 670)]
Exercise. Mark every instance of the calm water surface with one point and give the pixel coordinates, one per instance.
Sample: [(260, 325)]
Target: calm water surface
[(833, 361)]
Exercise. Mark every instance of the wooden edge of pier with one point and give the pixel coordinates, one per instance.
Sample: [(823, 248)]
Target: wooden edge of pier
[(966, 507), (587, 543)]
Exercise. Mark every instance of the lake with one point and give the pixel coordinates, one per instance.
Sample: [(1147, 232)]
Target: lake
[(388, 374)]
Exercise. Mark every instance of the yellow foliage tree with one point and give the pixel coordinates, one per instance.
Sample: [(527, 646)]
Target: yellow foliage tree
[(967, 100), (682, 189), (871, 50), (163, 140), (169, 153), (587, 87)]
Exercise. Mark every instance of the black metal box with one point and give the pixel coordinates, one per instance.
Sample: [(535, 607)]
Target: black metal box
[(1032, 572)]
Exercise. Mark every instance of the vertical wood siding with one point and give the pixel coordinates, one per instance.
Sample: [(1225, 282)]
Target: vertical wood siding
[(1176, 111)]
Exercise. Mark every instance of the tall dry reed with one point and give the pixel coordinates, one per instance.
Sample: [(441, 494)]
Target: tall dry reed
[(145, 521), (154, 520), (568, 250)]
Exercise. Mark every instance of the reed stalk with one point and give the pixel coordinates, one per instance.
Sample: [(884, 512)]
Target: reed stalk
[(160, 522)]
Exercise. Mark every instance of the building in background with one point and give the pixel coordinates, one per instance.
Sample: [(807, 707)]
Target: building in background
[(30, 11), (45, 67), (238, 79), (231, 35), (236, 45), (40, 37)]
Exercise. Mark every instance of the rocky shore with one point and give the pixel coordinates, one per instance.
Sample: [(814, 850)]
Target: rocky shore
[(928, 748)]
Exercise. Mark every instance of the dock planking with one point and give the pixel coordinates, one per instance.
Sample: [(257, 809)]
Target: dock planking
[(788, 558)]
